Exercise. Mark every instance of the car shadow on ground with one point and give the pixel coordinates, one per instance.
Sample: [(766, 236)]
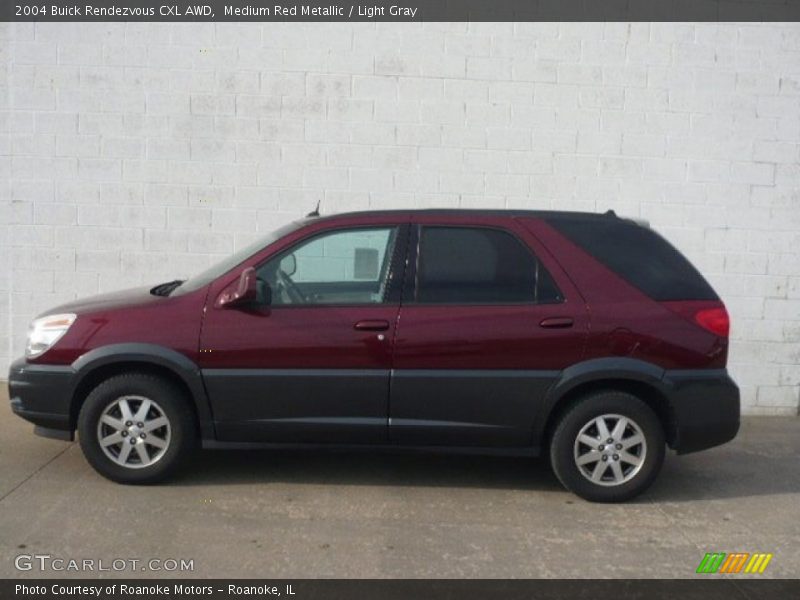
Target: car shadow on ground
[(727, 472), (344, 467)]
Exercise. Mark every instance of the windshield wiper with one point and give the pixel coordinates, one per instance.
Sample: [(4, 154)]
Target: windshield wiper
[(165, 289)]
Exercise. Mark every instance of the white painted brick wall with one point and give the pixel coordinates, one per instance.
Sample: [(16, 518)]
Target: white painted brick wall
[(133, 153)]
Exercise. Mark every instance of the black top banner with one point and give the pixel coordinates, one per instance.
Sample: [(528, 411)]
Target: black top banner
[(401, 10)]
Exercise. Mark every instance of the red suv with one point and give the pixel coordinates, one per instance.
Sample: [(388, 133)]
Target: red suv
[(585, 337)]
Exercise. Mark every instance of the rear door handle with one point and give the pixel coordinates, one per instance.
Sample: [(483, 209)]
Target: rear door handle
[(556, 322), (372, 325)]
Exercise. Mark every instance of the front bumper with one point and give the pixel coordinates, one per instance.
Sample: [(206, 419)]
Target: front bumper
[(41, 394), (705, 408)]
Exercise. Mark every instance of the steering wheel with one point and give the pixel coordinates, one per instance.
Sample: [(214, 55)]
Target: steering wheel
[(294, 293)]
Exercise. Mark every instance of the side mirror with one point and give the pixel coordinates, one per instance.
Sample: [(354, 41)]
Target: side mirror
[(244, 291)]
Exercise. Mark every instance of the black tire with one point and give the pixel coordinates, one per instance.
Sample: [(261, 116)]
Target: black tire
[(563, 449), (171, 403)]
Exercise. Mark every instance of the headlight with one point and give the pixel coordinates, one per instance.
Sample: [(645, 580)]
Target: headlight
[(45, 332)]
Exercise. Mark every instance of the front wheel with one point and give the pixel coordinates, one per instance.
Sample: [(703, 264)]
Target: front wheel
[(609, 447), (136, 428)]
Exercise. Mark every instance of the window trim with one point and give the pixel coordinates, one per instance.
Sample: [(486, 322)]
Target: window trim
[(395, 275), (411, 283)]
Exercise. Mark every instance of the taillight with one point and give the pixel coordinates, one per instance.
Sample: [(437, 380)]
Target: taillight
[(715, 320)]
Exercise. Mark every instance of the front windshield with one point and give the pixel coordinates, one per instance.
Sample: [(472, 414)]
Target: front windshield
[(238, 257)]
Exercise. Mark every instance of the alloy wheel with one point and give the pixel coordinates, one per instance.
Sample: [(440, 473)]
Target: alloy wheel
[(134, 432), (610, 450)]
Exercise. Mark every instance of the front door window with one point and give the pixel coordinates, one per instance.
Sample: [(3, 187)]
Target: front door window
[(344, 267)]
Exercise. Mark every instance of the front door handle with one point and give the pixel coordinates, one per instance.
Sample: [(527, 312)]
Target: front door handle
[(372, 325), (556, 322)]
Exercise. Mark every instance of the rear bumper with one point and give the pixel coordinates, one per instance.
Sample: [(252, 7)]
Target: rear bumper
[(41, 394), (705, 408)]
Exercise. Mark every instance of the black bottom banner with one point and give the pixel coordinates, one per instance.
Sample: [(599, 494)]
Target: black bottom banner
[(434, 589)]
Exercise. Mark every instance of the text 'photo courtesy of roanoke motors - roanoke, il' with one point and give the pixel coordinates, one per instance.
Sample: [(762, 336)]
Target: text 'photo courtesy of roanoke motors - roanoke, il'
[(399, 300)]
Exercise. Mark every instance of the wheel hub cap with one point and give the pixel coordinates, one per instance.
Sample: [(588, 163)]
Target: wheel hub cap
[(134, 432), (610, 450)]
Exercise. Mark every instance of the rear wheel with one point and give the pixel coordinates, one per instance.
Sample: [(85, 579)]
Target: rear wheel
[(609, 447), (136, 428)]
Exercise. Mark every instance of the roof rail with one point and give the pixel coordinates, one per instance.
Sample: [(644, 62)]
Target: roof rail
[(640, 222)]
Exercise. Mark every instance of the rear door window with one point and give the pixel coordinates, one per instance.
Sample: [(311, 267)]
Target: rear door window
[(476, 265)]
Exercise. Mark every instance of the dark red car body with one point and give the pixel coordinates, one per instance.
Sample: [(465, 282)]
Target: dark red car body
[(480, 377)]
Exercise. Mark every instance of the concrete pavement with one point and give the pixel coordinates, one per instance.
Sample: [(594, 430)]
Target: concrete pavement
[(282, 514)]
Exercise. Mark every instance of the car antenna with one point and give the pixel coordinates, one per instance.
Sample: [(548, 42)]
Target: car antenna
[(315, 212)]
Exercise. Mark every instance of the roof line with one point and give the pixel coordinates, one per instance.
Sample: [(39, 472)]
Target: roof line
[(552, 214)]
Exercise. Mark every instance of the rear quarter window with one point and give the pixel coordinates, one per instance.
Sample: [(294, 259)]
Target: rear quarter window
[(639, 255)]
